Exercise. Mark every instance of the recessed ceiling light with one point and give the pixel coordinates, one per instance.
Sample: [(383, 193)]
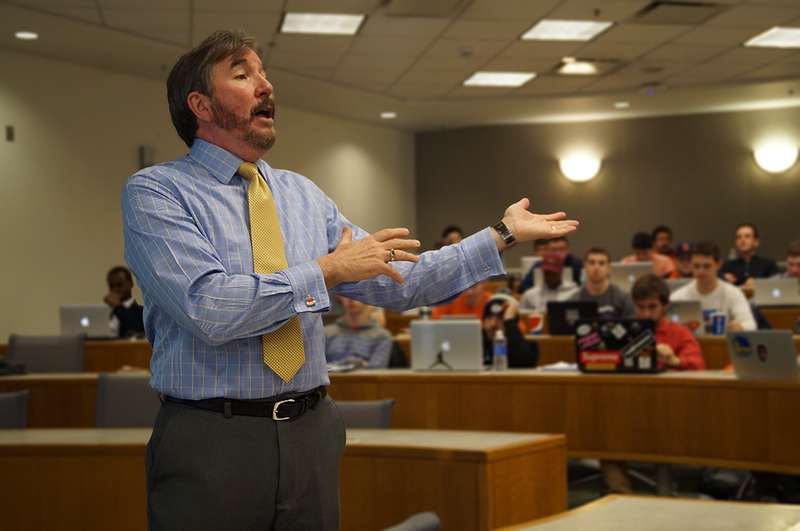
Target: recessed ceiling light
[(577, 68), (322, 23), (388, 115), (26, 35), (565, 30), (499, 79), (622, 105), (777, 37)]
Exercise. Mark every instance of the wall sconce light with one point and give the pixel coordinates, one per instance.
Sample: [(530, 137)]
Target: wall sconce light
[(775, 156), (579, 167)]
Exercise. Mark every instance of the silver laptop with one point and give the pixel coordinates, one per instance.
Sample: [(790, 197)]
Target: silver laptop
[(446, 345), (688, 314), (566, 276), (763, 354), (528, 262), (90, 320), (624, 275), (776, 292), (677, 283)]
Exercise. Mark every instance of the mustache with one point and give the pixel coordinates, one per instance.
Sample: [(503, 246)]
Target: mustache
[(266, 105)]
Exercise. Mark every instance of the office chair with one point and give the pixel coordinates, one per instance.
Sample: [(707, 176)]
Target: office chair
[(14, 410), (125, 401), (367, 413), (427, 521), (47, 353)]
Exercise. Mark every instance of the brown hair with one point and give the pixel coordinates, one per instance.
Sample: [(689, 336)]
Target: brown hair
[(597, 250), (192, 73), (650, 287), (794, 249), (707, 248)]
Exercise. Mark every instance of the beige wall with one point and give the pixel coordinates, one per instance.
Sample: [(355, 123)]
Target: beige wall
[(77, 136), (694, 173)]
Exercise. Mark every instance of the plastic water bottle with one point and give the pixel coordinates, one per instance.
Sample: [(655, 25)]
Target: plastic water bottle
[(500, 351)]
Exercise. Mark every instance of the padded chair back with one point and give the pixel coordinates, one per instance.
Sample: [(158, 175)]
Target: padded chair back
[(419, 522), (14, 410), (47, 353), (367, 413), (125, 401)]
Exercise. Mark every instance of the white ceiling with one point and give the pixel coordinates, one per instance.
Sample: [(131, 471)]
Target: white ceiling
[(414, 65)]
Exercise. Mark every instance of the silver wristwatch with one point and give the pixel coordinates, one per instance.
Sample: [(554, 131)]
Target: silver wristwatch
[(506, 234)]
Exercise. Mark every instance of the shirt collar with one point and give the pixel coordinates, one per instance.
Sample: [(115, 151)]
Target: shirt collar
[(221, 163)]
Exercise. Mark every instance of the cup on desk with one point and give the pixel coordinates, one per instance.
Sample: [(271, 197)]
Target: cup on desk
[(719, 322), (535, 323)]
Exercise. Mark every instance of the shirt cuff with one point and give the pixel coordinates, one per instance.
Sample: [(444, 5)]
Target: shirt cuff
[(482, 255), (308, 286)]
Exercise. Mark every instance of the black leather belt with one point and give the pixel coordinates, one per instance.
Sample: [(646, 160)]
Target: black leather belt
[(284, 407)]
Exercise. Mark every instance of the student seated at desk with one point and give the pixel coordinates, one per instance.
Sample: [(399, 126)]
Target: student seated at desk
[(127, 317), (676, 347), (554, 288), (613, 302), (470, 302), (683, 261), (502, 313), (642, 244), (792, 262), (744, 268), (715, 295), (357, 336)]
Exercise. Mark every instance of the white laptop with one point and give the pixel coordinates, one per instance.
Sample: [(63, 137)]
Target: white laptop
[(763, 354), (677, 283), (528, 262), (687, 313), (566, 276), (776, 292), (445, 346), (90, 320), (624, 275)]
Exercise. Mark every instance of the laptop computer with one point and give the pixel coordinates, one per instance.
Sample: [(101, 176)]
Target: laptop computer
[(676, 283), (90, 320), (562, 316), (527, 262), (763, 354), (624, 275), (687, 313), (455, 345), (776, 292), (566, 276), (616, 346)]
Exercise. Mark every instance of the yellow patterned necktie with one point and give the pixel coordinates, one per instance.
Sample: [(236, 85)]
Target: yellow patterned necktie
[(283, 348)]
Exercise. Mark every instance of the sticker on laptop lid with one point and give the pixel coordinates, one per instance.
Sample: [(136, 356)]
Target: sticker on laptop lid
[(762, 352), (619, 331), (741, 346)]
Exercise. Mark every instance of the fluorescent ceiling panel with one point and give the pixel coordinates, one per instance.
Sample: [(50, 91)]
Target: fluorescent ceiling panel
[(499, 79), (777, 37), (565, 30), (321, 23)]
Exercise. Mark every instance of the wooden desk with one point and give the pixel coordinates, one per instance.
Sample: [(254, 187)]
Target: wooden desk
[(57, 400), (635, 513), (109, 356), (94, 479), (701, 418), (782, 318)]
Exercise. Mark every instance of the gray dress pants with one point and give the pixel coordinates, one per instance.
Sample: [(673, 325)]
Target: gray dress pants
[(208, 472)]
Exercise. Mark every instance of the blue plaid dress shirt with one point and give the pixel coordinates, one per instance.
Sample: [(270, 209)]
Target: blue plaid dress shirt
[(187, 240)]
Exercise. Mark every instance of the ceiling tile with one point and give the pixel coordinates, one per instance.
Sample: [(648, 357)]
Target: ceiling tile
[(486, 29), (312, 43), (366, 77), (407, 91), (317, 73), (478, 93), (652, 33), (541, 49), (605, 10), (432, 78), (462, 67), (774, 71), (389, 46), (652, 69), (756, 16), (406, 27), (615, 83), (262, 24), (329, 6), (752, 56), (376, 63), (710, 72), (180, 38), (717, 36), (481, 50), (554, 84), (509, 9), (288, 60), (88, 14), (268, 6), (521, 64), (684, 53), (618, 51), (55, 3), (146, 19), (144, 4)]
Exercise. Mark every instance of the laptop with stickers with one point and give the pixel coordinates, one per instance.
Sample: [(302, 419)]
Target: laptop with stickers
[(562, 315), (616, 346), (688, 314), (763, 354)]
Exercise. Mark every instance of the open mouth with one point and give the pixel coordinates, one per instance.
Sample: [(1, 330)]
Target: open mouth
[(266, 112)]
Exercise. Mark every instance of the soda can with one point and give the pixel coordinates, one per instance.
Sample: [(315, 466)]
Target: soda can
[(535, 323), (719, 322)]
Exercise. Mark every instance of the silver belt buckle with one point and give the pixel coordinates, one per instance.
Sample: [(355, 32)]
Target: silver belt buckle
[(275, 409)]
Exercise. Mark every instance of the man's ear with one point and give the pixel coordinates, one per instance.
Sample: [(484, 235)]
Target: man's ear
[(200, 104)]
